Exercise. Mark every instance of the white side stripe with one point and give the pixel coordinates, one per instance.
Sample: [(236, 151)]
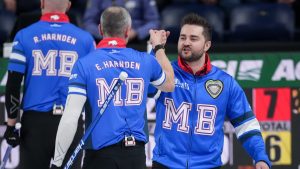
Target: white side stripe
[(156, 96), (77, 90), (17, 56), (248, 126), (160, 80)]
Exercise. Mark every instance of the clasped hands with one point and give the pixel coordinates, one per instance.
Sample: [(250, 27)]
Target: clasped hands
[(158, 37)]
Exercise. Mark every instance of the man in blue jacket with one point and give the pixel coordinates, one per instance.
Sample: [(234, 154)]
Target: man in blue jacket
[(43, 54), (118, 139), (144, 16), (189, 121)]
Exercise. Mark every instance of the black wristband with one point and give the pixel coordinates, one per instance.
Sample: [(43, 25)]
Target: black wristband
[(157, 47)]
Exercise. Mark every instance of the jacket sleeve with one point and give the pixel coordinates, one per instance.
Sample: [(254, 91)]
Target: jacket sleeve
[(253, 143), (67, 127), (246, 125), (12, 94)]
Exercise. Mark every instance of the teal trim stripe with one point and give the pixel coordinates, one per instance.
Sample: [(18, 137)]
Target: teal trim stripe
[(245, 117), (246, 136)]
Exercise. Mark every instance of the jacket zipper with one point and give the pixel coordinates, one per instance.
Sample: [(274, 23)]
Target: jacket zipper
[(192, 126)]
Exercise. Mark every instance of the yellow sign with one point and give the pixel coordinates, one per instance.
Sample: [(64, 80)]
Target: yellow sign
[(278, 146)]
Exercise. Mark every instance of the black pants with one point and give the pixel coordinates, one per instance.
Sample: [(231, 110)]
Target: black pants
[(38, 135), (116, 156), (156, 165)]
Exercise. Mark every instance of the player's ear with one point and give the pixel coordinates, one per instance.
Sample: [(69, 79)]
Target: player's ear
[(207, 45), (69, 5), (127, 31), (100, 29), (42, 4)]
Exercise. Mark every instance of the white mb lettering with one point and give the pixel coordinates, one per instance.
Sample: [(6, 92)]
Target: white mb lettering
[(134, 91), (205, 122), (48, 62)]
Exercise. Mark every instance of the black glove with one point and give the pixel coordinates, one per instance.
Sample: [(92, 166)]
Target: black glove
[(54, 167), (12, 137)]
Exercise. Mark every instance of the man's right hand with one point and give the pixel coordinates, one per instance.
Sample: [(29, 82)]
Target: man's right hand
[(12, 137), (158, 37)]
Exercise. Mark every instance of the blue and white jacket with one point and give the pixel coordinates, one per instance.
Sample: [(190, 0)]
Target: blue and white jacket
[(189, 121)]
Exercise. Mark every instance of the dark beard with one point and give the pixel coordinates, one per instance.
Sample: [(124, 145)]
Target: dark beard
[(192, 58)]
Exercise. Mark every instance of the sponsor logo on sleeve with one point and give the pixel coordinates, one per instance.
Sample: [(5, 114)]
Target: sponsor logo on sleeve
[(73, 76)]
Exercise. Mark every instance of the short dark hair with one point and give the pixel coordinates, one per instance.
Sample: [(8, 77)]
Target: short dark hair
[(195, 19)]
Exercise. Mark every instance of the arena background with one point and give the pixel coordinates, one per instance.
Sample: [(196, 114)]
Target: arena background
[(270, 76)]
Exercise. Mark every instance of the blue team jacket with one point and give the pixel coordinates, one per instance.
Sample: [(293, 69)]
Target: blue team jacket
[(189, 121)]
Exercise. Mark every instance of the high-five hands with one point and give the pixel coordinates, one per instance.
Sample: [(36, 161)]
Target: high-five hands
[(158, 37)]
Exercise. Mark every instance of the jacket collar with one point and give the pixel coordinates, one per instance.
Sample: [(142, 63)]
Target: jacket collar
[(55, 17), (205, 69), (112, 43)]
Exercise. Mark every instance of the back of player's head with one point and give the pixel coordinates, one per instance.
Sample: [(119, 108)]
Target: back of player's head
[(55, 5), (114, 21), (194, 19)]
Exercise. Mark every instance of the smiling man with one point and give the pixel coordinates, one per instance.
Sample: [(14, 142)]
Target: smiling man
[(189, 121)]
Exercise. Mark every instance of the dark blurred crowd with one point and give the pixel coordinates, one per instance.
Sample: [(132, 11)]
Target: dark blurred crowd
[(146, 14)]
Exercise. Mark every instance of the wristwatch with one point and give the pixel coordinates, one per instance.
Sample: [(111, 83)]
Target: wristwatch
[(157, 47)]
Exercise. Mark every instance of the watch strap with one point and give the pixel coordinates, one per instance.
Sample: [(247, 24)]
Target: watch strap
[(157, 47)]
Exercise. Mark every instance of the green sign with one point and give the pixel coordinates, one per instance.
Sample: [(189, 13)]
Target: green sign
[(278, 69), (260, 69), (3, 76)]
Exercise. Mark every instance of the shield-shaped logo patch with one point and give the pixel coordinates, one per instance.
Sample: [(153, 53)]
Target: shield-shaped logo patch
[(214, 88)]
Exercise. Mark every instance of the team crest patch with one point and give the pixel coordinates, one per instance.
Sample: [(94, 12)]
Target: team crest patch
[(214, 88), (54, 17), (112, 42)]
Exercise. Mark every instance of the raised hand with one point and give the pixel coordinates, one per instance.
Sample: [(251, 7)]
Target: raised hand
[(158, 37)]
